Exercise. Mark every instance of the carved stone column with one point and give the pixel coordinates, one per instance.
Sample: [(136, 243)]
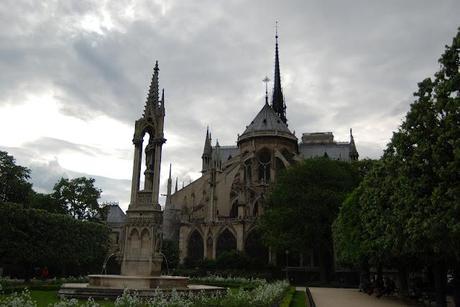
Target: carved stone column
[(136, 169), (156, 171)]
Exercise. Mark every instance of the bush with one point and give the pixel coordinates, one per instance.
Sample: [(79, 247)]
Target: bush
[(31, 238)]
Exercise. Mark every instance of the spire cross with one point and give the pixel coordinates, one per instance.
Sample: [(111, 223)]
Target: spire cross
[(266, 80), (276, 31)]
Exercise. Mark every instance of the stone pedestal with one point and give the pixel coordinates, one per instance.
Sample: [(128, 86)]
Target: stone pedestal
[(142, 242)]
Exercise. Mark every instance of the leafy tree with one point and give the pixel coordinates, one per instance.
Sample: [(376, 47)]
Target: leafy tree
[(79, 197), (302, 206), (409, 206), (46, 202), (14, 186)]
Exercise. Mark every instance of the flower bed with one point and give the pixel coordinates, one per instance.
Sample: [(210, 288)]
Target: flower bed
[(263, 295)]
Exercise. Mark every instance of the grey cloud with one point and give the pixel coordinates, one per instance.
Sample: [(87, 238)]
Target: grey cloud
[(347, 62), (44, 175)]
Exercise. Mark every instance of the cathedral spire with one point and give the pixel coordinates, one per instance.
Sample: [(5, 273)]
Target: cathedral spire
[(278, 100)]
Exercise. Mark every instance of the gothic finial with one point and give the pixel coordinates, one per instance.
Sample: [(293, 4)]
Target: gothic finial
[(278, 100), (170, 166), (175, 190)]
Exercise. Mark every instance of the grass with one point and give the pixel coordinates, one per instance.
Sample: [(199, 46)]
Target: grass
[(299, 299), (45, 298)]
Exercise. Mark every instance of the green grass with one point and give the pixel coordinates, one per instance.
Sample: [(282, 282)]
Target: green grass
[(44, 298), (299, 299)]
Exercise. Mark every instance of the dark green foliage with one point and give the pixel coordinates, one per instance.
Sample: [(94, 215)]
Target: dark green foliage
[(46, 202), (14, 186), (303, 204), (79, 197), (407, 209), (171, 251), (32, 238)]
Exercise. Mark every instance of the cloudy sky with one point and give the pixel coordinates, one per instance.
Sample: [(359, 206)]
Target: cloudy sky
[(74, 75)]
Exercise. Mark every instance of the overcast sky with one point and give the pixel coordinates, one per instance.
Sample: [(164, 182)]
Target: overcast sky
[(74, 76)]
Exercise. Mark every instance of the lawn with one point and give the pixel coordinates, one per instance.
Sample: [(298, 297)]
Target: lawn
[(44, 298), (299, 299)]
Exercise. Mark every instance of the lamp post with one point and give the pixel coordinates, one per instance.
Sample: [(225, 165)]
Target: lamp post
[(287, 264)]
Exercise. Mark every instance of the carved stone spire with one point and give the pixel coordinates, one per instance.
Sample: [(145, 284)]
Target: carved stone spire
[(353, 151), (278, 99), (207, 152), (153, 103)]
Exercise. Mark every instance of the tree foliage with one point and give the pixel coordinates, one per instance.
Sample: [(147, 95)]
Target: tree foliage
[(79, 197), (304, 203), (409, 204), (14, 185)]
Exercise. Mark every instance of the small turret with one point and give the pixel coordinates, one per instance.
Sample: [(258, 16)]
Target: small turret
[(207, 152), (353, 152)]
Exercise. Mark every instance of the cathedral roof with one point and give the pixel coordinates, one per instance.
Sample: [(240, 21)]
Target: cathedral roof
[(267, 123)]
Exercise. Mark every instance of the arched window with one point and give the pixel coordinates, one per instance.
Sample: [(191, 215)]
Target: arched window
[(225, 242), (195, 247), (247, 172), (255, 210), (264, 158)]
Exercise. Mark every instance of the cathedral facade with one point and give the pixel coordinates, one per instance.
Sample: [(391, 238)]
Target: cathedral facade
[(218, 211)]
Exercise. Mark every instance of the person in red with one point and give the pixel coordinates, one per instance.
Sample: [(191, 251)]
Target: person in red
[(45, 273)]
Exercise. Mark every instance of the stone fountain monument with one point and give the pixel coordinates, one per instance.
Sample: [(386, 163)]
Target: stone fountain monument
[(141, 251)]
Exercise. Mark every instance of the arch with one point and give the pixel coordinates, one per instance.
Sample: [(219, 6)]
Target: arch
[(254, 247), (195, 246), (145, 242), (134, 241), (225, 242)]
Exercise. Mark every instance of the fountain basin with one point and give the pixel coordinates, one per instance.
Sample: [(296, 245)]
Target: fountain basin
[(112, 286), (138, 282)]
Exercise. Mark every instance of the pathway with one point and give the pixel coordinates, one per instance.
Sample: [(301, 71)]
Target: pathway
[(338, 297)]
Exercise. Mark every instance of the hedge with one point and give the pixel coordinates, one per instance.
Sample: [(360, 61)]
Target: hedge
[(31, 239)]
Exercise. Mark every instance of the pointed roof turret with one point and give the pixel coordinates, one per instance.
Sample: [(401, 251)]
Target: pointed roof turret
[(153, 102), (278, 100), (354, 155), (207, 150)]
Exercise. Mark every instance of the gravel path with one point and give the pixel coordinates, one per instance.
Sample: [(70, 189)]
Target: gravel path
[(338, 297)]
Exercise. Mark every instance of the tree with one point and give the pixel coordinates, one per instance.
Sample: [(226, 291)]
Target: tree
[(46, 202), (302, 206), (409, 206), (79, 197), (14, 186)]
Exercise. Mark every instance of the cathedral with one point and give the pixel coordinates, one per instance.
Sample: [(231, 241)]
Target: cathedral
[(217, 212)]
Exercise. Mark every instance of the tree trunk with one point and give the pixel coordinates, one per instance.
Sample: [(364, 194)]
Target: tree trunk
[(403, 285), (440, 280)]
